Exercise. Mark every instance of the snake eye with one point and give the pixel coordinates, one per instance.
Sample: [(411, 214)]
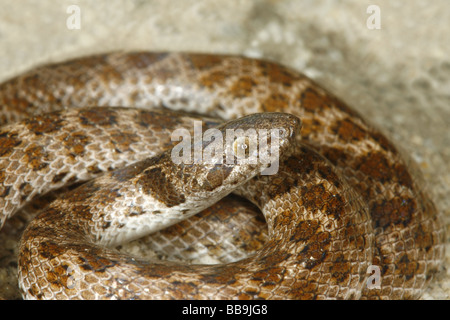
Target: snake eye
[(241, 147)]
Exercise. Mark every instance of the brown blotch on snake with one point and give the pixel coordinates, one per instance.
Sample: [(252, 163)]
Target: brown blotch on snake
[(92, 117), (8, 140), (45, 124), (75, 142), (156, 181), (36, 157)]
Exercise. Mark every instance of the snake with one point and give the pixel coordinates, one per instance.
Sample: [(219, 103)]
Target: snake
[(346, 215)]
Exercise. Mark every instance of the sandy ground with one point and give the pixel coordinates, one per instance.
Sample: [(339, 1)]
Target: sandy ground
[(398, 75)]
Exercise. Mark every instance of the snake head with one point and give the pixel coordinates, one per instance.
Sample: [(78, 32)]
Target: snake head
[(259, 141), (236, 151)]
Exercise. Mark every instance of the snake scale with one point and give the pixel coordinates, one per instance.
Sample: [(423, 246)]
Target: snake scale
[(343, 201)]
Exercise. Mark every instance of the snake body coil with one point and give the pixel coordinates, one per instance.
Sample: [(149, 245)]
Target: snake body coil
[(343, 201)]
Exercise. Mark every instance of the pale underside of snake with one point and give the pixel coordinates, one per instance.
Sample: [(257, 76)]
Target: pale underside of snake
[(344, 201)]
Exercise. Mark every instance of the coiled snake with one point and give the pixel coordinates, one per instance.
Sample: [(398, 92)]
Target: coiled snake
[(343, 203)]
